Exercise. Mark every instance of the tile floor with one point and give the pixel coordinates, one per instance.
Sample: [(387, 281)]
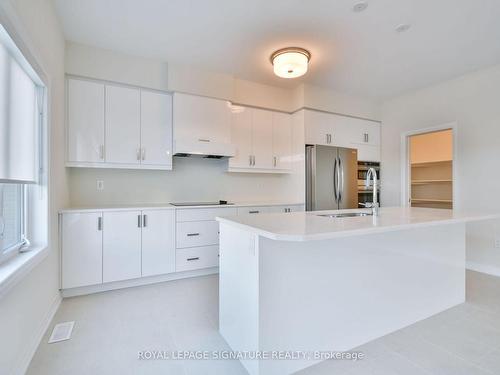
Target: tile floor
[(112, 327)]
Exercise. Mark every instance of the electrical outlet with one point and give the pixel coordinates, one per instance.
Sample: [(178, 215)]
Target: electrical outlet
[(100, 185), (497, 242)]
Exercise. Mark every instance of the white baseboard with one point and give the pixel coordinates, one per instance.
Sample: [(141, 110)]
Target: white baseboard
[(483, 268), (80, 291), (32, 346)]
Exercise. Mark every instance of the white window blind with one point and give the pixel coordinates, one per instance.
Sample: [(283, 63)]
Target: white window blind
[(18, 118)]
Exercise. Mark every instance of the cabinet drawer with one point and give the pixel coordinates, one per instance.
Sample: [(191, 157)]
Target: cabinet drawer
[(197, 233), (252, 210), (196, 258), (200, 214)]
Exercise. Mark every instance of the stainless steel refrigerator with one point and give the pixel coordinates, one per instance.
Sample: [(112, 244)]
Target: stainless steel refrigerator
[(331, 178)]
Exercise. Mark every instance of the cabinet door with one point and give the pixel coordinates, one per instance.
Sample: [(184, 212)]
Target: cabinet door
[(121, 245), (365, 132), (85, 106), (368, 152), (158, 245), (262, 138), (241, 137), (122, 125), (156, 128), (202, 119), (282, 140), (317, 128), (81, 249)]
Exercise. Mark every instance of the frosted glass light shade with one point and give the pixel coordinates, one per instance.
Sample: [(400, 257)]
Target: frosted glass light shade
[(290, 62)]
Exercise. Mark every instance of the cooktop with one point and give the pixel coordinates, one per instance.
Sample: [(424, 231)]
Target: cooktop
[(219, 203)]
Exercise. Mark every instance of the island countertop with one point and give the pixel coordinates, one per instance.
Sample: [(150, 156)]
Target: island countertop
[(308, 226)]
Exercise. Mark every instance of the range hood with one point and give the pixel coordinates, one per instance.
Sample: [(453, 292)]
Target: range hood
[(203, 148)]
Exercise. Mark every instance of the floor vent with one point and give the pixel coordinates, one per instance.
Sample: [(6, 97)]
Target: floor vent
[(61, 332)]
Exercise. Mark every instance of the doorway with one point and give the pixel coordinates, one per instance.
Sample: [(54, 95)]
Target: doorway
[(430, 168)]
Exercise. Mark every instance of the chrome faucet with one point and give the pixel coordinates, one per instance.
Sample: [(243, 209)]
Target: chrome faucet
[(372, 173)]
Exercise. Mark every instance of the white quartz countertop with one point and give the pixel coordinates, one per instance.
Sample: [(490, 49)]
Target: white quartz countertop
[(308, 226), (163, 206)]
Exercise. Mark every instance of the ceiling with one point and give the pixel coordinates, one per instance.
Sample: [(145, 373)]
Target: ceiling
[(355, 53)]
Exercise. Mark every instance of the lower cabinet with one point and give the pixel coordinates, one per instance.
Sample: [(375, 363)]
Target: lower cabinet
[(81, 241), (158, 242), (121, 254), (103, 247), (193, 258)]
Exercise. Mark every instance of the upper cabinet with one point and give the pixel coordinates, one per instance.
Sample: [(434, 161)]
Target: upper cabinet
[(263, 141), (202, 126), (336, 130), (123, 125), (85, 117), (116, 126)]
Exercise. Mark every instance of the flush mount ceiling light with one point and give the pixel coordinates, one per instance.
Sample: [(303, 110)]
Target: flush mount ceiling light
[(290, 62)]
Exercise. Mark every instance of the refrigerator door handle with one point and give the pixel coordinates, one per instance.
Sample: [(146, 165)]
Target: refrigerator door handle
[(335, 181), (341, 179)]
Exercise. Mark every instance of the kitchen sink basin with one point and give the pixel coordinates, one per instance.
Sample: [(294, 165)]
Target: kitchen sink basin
[(347, 214)]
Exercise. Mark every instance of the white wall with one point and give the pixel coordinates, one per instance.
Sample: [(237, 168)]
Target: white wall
[(24, 310), (471, 101)]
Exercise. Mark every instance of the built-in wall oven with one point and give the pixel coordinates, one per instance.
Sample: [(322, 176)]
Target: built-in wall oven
[(365, 193)]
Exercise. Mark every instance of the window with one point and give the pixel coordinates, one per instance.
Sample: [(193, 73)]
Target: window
[(11, 216), (22, 189)]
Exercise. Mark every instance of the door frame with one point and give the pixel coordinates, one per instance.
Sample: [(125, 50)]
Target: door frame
[(405, 160)]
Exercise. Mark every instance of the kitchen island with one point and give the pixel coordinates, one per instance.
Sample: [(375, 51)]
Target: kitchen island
[(308, 282)]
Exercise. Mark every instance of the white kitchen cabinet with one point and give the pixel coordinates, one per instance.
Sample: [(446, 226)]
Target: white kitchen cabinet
[(123, 126), (201, 119), (121, 245), (343, 131), (327, 129), (286, 208), (81, 243), (117, 126), (85, 117), (158, 242), (253, 210), (156, 128), (262, 139), (197, 258), (282, 141), (241, 136), (197, 233)]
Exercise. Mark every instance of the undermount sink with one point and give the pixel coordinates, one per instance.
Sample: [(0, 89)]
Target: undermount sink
[(347, 214)]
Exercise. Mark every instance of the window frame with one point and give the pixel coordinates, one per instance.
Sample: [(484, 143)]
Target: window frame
[(10, 251)]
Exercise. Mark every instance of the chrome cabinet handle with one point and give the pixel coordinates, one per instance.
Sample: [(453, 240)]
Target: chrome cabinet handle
[(191, 259), (275, 161), (365, 137), (203, 140), (143, 154), (101, 152), (99, 223), (138, 153), (327, 138), (250, 160), (139, 224), (253, 212), (144, 221), (192, 234)]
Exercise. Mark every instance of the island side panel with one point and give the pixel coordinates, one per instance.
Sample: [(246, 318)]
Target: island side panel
[(335, 295), (239, 292)]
